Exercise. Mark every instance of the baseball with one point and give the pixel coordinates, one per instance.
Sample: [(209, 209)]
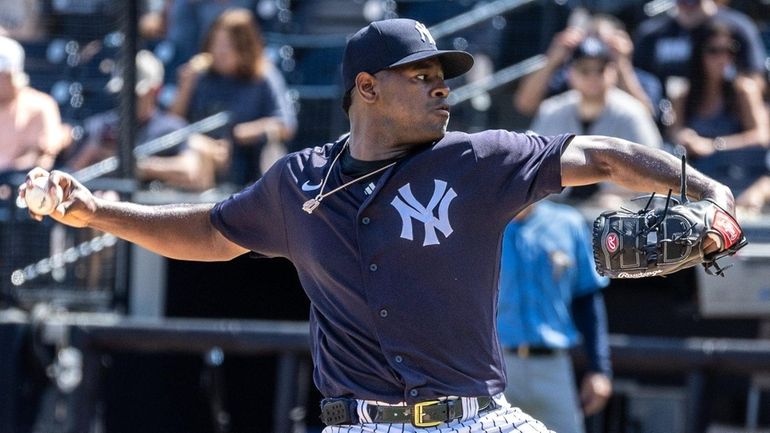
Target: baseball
[(40, 199)]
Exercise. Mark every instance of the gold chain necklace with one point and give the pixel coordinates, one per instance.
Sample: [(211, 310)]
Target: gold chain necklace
[(311, 205)]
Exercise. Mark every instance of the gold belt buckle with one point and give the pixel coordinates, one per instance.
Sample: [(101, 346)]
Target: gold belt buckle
[(418, 415)]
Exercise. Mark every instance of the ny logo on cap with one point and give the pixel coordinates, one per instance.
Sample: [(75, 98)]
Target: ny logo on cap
[(424, 33)]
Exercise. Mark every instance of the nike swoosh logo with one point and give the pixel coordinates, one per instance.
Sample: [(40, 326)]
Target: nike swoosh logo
[(308, 187)]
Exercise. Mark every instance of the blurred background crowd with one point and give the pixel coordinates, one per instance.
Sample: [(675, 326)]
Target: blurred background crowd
[(223, 88)]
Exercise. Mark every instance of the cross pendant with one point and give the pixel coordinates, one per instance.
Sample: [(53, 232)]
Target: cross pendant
[(311, 205)]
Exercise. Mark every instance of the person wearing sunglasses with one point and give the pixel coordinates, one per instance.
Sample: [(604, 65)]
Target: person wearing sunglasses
[(664, 43), (721, 120)]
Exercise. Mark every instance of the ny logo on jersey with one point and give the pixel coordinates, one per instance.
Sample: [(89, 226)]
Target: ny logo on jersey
[(408, 207), (424, 33)]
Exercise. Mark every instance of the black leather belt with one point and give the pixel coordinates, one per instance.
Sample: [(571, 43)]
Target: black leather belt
[(337, 411), (525, 351)]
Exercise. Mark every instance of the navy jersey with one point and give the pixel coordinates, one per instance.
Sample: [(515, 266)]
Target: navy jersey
[(402, 278)]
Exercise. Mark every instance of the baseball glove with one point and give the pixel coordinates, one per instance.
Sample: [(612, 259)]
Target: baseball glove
[(656, 242)]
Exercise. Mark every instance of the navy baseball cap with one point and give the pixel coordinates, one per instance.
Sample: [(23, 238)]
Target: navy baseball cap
[(390, 43)]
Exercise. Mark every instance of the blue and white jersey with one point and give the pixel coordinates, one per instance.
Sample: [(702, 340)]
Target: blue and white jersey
[(402, 278)]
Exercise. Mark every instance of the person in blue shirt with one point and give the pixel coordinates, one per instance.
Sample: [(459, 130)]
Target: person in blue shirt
[(550, 296)]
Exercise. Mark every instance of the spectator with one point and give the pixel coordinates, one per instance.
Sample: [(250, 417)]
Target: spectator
[(721, 120), (550, 297), (664, 46), (552, 78), (232, 74), (188, 166), (595, 106), (32, 131)]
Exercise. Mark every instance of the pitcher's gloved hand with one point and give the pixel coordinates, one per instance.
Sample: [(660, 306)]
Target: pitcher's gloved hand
[(660, 241)]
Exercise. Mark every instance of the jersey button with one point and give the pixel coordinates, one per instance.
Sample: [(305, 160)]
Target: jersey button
[(365, 220), (414, 393), (383, 313), (373, 267), (399, 359)]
